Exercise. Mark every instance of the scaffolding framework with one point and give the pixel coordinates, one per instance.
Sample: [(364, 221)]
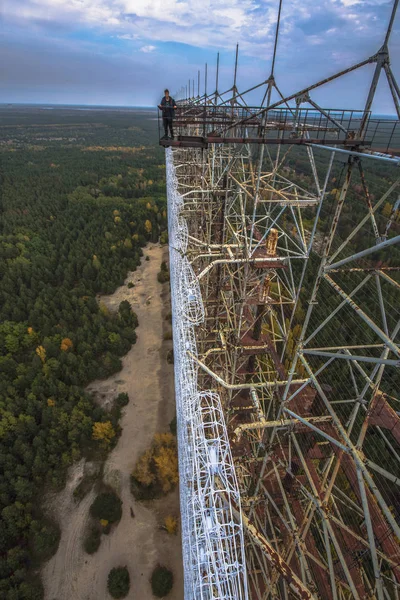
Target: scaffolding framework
[(213, 546), (286, 320)]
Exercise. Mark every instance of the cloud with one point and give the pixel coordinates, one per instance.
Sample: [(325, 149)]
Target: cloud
[(213, 23), (316, 38), (128, 36)]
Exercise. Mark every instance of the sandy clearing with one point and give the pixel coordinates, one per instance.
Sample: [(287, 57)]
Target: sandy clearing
[(137, 542)]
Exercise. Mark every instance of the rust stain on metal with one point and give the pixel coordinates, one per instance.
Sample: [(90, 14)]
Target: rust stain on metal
[(296, 585)]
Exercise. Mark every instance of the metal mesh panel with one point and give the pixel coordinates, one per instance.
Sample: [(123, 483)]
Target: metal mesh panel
[(212, 535)]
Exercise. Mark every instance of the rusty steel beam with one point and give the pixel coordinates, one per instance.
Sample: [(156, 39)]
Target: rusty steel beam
[(263, 424), (295, 584), (215, 139)]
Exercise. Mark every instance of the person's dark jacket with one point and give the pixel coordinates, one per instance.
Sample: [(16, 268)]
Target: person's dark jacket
[(167, 107)]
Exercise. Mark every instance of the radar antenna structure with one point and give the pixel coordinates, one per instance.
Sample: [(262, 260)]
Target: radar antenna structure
[(284, 232)]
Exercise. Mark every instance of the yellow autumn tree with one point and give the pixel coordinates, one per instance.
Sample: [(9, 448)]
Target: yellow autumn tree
[(289, 345), (96, 262), (171, 525), (66, 344), (143, 471), (300, 369), (51, 402), (103, 309), (41, 352), (148, 206), (117, 220), (148, 226), (297, 332), (158, 466), (387, 210), (103, 432), (166, 460), (30, 331), (164, 439)]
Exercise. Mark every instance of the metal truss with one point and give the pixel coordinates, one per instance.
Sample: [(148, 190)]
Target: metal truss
[(213, 547), (286, 345)]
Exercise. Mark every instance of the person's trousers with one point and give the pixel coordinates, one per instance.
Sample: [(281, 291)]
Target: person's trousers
[(167, 121)]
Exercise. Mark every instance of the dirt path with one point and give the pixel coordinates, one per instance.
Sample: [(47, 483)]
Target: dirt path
[(136, 542)]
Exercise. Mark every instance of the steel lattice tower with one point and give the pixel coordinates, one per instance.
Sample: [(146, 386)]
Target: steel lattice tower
[(285, 290)]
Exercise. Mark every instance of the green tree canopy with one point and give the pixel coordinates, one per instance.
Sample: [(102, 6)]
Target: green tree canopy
[(118, 582)]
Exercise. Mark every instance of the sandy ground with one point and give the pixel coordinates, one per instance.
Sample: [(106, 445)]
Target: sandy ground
[(137, 542)]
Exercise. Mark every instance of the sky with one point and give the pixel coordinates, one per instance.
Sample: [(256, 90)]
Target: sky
[(125, 52)]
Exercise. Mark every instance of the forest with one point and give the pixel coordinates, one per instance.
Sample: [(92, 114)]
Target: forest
[(81, 193)]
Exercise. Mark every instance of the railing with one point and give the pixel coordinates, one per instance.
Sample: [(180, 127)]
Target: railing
[(235, 124)]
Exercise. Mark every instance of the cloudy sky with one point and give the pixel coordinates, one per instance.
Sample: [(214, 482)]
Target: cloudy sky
[(124, 52)]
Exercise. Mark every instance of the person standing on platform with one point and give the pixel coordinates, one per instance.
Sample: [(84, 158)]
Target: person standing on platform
[(168, 107)]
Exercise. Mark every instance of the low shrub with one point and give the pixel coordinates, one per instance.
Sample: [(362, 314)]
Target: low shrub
[(142, 493), (162, 277), (171, 525), (163, 274), (107, 506), (118, 582), (107, 529), (122, 399), (161, 581), (172, 426), (92, 541)]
